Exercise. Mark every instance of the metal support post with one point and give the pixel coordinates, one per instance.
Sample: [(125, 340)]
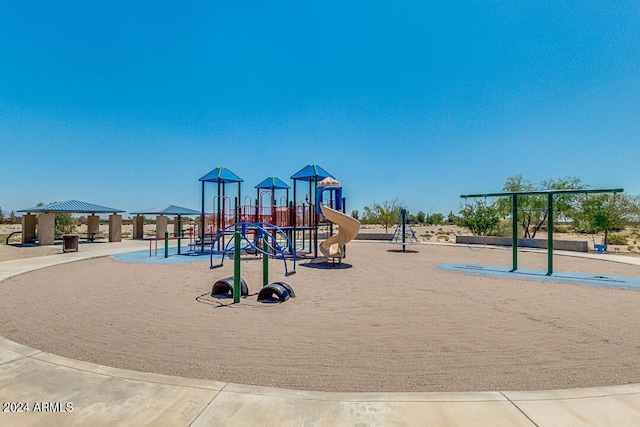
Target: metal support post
[(403, 218), (549, 234), (514, 230), (265, 262), (166, 244), (236, 266)]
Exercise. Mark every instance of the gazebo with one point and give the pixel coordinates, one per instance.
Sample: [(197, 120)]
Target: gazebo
[(47, 226), (161, 213)]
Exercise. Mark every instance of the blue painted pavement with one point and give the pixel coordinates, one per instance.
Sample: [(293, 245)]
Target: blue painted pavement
[(586, 279)]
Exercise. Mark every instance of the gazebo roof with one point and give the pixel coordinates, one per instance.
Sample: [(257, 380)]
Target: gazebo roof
[(72, 206), (222, 175), (167, 210), (311, 173), (273, 183)]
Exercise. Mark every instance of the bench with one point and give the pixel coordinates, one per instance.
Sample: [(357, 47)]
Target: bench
[(601, 248), (91, 236)]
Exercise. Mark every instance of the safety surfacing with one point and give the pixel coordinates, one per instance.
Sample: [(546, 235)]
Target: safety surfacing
[(158, 257), (585, 279)]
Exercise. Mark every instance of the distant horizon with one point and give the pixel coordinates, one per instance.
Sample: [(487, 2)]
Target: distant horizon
[(129, 104)]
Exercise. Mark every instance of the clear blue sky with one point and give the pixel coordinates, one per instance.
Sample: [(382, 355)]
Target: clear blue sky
[(128, 103)]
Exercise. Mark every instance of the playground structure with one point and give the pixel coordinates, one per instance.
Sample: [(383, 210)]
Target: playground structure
[(403, 233), (301, 221), (334, 246), (550, 216), (258, 238)]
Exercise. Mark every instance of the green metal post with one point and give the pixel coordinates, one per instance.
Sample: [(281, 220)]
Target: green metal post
[(550, 234), (265, 262), (166, 244), (236, 266), (514, 230), (179, 233)]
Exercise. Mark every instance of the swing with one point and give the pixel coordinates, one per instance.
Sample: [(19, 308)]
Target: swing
[(601, 248), (478, 248)]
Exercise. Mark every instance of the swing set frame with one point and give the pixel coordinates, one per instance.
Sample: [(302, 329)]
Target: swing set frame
[(514, 214)]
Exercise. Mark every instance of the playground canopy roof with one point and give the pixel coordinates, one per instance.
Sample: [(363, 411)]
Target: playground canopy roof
[(311, 173), (273, 183), (72, 206), (222, 175), (167, 210)]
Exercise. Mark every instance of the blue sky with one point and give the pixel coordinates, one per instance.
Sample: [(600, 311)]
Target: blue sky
[(128, 104)]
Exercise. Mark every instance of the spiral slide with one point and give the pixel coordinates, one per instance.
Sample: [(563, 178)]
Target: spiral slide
[(348, 229)]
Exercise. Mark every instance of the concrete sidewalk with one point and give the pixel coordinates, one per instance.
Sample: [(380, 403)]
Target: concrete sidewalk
[(58, 391)]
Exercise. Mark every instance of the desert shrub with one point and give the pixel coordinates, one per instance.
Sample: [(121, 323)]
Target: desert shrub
[(617, 239)]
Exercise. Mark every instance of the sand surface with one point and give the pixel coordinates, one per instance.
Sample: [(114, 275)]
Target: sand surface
[(385, 321)]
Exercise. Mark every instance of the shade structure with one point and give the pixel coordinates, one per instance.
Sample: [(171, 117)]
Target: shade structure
[(273, 183), (221, 175), (46, 223), (311, 173), (72, 206), (167, 210)]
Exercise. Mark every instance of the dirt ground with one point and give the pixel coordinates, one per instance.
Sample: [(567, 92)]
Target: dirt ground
[(382, 321)]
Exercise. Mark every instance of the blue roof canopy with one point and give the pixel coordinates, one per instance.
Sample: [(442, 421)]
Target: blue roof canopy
[(167, 210), (72, 206), (273, 183), (222, 175), (311, 173)]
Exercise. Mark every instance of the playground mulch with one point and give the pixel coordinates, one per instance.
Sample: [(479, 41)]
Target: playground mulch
[(382, 321)]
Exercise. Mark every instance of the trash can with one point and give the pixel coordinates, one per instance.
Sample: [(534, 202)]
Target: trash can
[(70, 243)]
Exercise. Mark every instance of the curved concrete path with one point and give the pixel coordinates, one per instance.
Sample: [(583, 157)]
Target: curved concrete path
[(58, 391)]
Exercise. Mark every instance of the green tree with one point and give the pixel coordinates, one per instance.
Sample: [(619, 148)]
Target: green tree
[(452, 218), (355, 214), (594, 213), (420, 217), (532, 209), (12, 217), (386, 213), (436, 219), (65, 223), (479, 217), (2, 216)]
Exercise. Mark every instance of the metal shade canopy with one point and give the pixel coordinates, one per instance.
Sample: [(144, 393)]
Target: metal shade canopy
[(273, 183), (311, 173), (222, 175), (167, 210), (72, 206)]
